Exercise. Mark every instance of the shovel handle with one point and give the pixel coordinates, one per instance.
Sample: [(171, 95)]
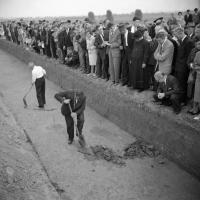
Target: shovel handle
[(28, 90)]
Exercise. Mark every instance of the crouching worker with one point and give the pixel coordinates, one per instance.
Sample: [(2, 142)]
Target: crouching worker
[(169, 91), (73, 106)]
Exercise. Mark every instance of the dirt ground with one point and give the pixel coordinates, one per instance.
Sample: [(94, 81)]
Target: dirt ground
[(76, 176), (21, 175)]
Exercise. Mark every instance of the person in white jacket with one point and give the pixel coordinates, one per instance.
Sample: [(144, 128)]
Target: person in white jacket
[(92, 51), (164, 53)]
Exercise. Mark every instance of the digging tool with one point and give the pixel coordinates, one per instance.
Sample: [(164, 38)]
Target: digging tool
[(24, 98), (81, 138)]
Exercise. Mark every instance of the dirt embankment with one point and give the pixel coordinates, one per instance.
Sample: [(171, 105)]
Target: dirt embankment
[(21, 176)]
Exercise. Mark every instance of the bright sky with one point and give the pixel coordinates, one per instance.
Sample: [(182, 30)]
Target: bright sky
[(40, 8)]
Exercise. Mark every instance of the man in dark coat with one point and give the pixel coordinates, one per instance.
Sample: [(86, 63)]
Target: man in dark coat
[(77, 101), (188, 17), (169, 91), (127, 44), (101, 52), (65, 39), (52, 44), (16, 33), (5, 29), (181, 68)]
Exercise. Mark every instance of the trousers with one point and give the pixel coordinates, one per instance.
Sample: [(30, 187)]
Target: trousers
[(174, 100), (70, 125), (40, 91)]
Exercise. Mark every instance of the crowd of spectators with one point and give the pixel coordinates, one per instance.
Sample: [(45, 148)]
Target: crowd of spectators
[(163, 56)]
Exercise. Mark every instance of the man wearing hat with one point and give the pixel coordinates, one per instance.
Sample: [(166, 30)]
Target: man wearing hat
[(188, 17), (164, 53), (101, 46), (65, 39), (183, 51)]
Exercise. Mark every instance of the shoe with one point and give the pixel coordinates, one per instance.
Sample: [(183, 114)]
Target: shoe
[(41, 107), (70, 141), (123, 84)]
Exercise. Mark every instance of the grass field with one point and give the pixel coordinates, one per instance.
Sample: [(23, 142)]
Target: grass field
[(117, 17)]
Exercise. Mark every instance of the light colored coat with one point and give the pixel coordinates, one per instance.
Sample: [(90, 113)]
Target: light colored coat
[(164, 56), (92, 51), (115, 41)]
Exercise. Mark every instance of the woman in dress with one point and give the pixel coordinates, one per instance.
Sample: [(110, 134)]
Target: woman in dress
[(92, 52), (139, 57)]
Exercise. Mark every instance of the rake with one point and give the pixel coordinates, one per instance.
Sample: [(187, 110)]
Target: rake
[(24, 98)]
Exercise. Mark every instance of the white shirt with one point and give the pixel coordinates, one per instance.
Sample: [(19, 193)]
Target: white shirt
[(126, 38), (184, 38), (37, 72)]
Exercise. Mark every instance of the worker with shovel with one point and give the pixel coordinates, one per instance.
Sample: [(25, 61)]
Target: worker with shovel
[(73, 106), (38, 79)]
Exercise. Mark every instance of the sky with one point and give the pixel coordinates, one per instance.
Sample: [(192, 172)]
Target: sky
[(41, 8)]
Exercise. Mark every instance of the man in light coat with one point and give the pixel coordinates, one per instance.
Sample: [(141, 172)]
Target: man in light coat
[(114, 54), (164, 53)]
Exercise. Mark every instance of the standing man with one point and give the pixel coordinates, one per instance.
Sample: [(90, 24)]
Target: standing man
[(101, 53), (127, 37), (73, 106), (181, 67), (38, 79)]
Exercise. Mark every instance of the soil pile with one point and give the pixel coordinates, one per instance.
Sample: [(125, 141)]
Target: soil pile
[(140, 149)]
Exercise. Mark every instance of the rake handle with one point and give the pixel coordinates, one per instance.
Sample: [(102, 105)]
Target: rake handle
[(28, 91)]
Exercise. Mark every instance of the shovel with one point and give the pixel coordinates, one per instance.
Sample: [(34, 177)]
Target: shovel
[(81, 138), (24, 98)]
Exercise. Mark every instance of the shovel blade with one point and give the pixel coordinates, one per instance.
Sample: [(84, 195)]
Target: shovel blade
[(25, 103), (81, 141)]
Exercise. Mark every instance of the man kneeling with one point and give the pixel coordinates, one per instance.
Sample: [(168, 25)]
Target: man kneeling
[(169, 91), (73, 106)]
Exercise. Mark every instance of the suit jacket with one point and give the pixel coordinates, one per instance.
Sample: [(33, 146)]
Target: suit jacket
[(188, 18), (68, 38), (164, 56), (78, 102), (130, 40), (172, 86), (64, 39), (98, 42), (43, 35), (115, 41), (183, 52), (106, 35), (152, 48)]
